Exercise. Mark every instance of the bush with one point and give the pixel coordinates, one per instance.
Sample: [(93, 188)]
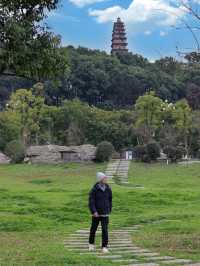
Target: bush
[(146, 158), (198, 154), (174, 153), (153, 150), (104, 151), (140, 152), (15, 150), (147, 153)]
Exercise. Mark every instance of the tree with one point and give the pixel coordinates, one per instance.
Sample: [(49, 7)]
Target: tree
[(193, 95), (9, 128), (29, 109), (15, 150), (27, 48), (74, 135), (174, 153), (149, 110), (132, 59), (153, 150), (168, 65), (104, 151), (183, 120), (193, 57)]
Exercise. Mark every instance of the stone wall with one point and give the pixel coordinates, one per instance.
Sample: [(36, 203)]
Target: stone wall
[(60, 154), (4, 159)]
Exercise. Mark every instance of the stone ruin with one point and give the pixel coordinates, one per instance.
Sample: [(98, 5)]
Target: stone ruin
[(54, 154), (4, 159)]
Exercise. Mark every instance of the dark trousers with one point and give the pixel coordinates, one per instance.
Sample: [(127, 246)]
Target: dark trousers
[(104, 226)]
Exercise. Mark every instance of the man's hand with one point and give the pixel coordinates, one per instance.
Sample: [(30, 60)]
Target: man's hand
[(96, 214)]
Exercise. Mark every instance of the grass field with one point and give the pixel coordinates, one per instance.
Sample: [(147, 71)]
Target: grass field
[(41, 205)]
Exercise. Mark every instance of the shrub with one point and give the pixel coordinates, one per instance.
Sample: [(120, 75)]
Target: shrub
[(198, 154), (140, 152), (15, 150), (147, 153), (146, 158), (104, 151), (174, 153), (153, 150)]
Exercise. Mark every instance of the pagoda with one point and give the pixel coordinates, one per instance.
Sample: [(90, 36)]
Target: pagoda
[(119, 40)]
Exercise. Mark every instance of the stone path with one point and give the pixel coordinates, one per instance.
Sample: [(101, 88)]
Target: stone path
[(118, 169), (122, 249), (112, 168)]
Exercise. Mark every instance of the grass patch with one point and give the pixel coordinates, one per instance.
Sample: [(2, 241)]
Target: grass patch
[(41, 181), (42, 204)]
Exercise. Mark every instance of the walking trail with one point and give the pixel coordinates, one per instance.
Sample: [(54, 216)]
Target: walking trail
[(117, 170), (122, 249)]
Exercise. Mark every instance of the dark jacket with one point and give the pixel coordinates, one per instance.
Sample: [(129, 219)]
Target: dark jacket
[(100, 201)]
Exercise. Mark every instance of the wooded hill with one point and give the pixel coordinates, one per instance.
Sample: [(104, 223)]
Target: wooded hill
[(113, 81)]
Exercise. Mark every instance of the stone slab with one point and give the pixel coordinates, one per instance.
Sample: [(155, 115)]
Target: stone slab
[(194, 264), (175, 261), (75, 240), (109, 256), (121, 242), (125, 260), (78, 237), (144, 264), (124, 248), (129, 252), (161, 258), (146, 254), (138, 250), (124, 231), (121, 245)]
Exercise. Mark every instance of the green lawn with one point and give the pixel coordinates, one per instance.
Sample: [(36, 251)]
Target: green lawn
[(41, 205)]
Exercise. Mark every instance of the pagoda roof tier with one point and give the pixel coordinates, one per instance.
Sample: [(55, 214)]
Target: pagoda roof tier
[(120, 42), (122, 49), (119, 27), (119, 47), (119, 38), (119, 34)]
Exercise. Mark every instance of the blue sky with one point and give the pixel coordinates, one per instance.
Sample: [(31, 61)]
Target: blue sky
[(151, 24)]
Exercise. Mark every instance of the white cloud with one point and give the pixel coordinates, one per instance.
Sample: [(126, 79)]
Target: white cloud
[(163, 33), (158, 12), (147, 32), (53, 15), (82, 3)]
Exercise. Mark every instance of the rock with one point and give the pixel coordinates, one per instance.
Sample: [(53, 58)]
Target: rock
[(4, 159), (60, 154)]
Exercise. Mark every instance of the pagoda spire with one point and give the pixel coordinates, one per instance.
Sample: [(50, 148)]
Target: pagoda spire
[(119, 40)]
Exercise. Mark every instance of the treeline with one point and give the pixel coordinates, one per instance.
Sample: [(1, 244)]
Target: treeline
[(114, 82), (29, 121), (150, 124), (103, 80)]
